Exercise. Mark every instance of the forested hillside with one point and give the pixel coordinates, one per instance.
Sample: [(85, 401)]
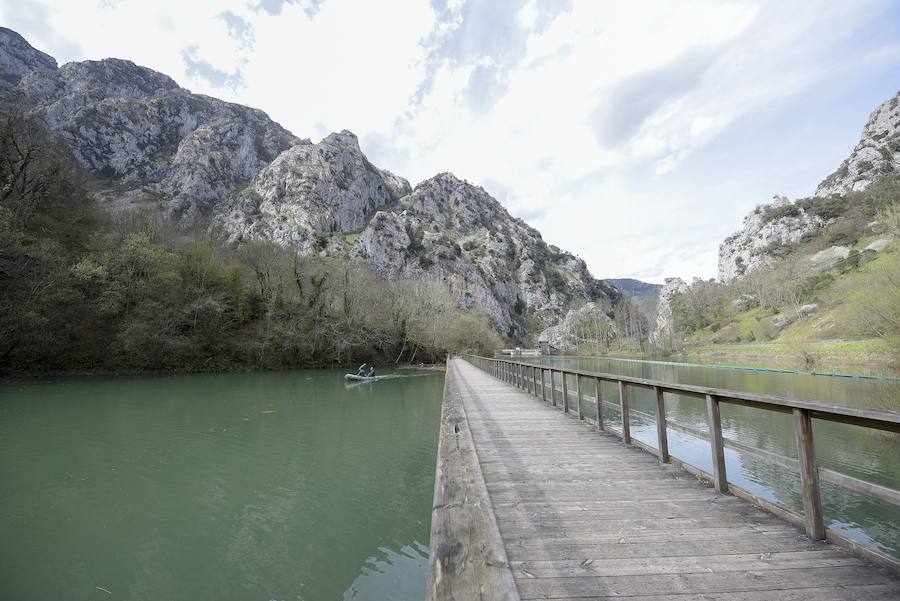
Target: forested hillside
[(84, 289)]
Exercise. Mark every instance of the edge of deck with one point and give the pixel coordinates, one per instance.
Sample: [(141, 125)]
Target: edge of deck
[(467, 558)]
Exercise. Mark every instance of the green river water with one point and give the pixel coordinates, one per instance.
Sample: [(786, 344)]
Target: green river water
[(286, 485), (869, 455)]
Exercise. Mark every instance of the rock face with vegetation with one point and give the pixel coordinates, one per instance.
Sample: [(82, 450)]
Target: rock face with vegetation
[(877, 154), (664, 331), (310, 192), (820, 268), (450, 231), (765, 230), (203, 162), (147, 140), (589, 324)]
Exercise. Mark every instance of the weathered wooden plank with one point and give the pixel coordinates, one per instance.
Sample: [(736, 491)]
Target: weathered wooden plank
[(775, 581), (684, 565), (467, 558)]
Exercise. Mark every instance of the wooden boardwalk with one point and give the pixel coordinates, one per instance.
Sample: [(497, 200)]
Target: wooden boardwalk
[(573, 513)]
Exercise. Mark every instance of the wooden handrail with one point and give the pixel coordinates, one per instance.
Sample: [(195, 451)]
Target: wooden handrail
[(803, 413), (870, 418)]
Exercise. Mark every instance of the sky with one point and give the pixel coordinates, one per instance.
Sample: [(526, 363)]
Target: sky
[(635, 134)]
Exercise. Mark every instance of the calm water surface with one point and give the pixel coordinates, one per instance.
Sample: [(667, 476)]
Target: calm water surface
[(287, 485), (866, 454)]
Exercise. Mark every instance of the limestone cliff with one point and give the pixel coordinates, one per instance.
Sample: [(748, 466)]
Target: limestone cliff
[(664, 332), (877, 154), (765, 229)]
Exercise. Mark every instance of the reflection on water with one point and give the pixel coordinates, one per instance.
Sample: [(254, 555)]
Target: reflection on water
[(870, 455), (284, 485)]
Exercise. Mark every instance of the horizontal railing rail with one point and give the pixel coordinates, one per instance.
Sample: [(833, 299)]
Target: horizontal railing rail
[(534, 378)]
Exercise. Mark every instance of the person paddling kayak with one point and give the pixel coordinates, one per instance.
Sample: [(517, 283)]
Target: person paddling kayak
[(362, 370)]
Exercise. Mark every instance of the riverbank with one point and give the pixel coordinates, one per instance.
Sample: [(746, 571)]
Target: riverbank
[(875, 355), (13, 376), (871, 357)]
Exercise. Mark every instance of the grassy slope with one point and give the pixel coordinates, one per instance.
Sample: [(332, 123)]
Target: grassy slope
[(834, 334)]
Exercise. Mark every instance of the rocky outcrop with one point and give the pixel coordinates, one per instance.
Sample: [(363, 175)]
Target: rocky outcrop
[(827, 258), (310, 192), (877, 153), (766, 228), (877, 246), (589, 323), (18, 58), (664, 333)]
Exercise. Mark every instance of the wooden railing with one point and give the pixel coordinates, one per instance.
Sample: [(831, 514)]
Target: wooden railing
[(538, 379)]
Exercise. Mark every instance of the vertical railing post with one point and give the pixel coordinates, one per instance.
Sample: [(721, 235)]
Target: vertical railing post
[(662, 437), (565, 391), (552, 390), (578, 397), (543, 386), (599, 400), (809, 475), (623, 408), (716, 443)]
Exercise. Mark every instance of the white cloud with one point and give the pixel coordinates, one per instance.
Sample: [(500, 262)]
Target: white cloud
[(625, 131)]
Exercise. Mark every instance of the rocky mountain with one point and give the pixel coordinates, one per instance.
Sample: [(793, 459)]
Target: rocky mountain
[(782, 223), (766, 228), (635, 289), (147, 139), (588, 323), (665, 324), (150, 142), (876, 155)]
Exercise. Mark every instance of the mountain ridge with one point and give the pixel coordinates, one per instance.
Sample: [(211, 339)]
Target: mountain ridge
[(151, 143)]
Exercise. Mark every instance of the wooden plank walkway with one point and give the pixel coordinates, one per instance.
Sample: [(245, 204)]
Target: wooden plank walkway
[(581, 515)]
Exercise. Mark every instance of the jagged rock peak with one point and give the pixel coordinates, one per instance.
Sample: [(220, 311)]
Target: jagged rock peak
[(116, 78), (343, 138), (18, 58), (877, 153)]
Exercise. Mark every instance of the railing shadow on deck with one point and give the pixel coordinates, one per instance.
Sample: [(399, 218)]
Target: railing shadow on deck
[(534, 379)]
